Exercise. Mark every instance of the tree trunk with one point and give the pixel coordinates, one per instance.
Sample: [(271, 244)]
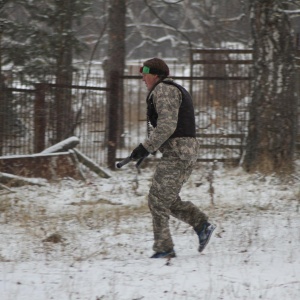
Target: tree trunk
[(63, 96), (116, 64), (272, 124)]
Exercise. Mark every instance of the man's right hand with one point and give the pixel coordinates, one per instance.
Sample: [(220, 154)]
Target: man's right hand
[(139, 152)]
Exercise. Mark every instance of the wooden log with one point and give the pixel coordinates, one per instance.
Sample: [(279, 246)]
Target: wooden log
[(4, 187), (13, 180), (77, 163), (91, 164), (63, 146)]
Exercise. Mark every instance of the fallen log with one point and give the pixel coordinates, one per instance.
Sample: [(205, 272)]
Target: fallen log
[(13, 180), (91, 164), (4, 187), (62, 146)]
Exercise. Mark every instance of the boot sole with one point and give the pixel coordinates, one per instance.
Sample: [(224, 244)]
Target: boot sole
[(169, 255)]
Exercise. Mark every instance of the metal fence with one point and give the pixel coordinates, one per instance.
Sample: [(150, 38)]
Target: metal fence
[(31, 120), (220, 83), (218, 80)]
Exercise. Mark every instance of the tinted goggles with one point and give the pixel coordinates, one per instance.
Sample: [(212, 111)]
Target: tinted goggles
[(147, 70)]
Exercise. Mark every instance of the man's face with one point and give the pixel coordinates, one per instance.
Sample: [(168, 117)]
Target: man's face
[(150, 80)]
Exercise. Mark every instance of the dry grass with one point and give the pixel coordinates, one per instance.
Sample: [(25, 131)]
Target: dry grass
[(93, 214)]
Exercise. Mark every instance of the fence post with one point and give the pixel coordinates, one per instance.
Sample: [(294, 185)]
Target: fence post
[(113, 118), (39, 117)]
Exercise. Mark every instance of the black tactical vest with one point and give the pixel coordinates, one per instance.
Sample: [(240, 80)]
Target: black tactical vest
[(186, 118)]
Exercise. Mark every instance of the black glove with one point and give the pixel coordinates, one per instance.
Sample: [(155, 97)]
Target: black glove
[(139, 152)]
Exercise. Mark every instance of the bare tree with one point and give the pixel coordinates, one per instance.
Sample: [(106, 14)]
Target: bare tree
[(172, 27), (272, 125)]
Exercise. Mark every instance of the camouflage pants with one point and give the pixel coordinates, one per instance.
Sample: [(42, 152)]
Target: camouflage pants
[(164, 200)]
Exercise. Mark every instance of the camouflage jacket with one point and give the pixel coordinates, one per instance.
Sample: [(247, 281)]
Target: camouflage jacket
[(167, 100)]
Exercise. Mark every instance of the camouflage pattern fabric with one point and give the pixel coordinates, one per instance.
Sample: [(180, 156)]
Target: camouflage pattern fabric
[(164, 200), (167, 100), (173, 170)]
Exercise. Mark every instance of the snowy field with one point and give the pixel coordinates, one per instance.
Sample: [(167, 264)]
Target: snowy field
[(92, 240)]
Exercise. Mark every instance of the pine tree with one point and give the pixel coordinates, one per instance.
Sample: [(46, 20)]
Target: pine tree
[(37, 36)]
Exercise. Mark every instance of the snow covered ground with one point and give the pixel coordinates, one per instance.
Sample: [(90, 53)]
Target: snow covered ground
[(92, 240)]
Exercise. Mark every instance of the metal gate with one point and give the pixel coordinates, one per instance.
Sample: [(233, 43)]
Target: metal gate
[(220, 83)]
